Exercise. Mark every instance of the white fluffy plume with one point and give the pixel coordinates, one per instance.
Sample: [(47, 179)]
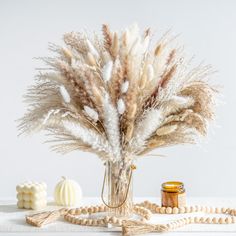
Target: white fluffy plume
[(125, 86), (107, 70), (176, 103), (121, 106), (91, 113), (92, 49), (150, 122), (111, 123), (88, 136), (150, 72), (65, 95)]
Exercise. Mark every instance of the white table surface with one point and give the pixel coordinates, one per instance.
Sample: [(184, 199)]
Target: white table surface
[(12, 221)]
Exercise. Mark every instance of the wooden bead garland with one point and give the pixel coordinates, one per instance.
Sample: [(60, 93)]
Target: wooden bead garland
[(131, 227), (72, 216), (134, 227)]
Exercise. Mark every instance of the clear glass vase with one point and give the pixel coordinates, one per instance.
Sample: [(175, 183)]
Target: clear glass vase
[(119, 189)]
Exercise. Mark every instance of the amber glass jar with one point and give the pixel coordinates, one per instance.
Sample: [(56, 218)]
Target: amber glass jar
[(173, 194)]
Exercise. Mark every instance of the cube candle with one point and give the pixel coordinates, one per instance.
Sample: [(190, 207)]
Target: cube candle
[(31, 195)]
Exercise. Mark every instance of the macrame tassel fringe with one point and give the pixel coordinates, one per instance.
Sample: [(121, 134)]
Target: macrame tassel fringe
[(133, 227), (44, 218)]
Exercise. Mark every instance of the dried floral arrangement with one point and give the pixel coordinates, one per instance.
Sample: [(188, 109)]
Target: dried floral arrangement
[(119, 97)]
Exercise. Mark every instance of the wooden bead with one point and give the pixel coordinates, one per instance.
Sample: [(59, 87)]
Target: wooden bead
[(142, 211), (187, 209), (72, 211), (197, 208), (207, 209), (157, 209), (119, 221), (95, 209), (78, 211), (182, 210), (173, 225), (148, 216), (176, 224), (113, 219), (212, 209), (83, 221), (221, 220), (179, 222), (182, 222), (202, 219), (162, 210), (218, 210), (192, 208), (91, 210), (78, 221), (168, 226), (203, 209), (100, 221), (175, 210), (107, 219), (223, 210), (187, 220), (95, 222), (233, 219), (228, 220), (208, 220), (84, 211), (191, 220), (73, 220), (214, 220), (168, 210), (90, 221)]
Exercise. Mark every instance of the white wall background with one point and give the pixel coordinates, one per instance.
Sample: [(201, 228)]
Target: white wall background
[(207, 29)]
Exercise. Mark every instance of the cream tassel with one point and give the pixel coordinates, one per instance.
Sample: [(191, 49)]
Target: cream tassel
[(133, 227), (45, 218)]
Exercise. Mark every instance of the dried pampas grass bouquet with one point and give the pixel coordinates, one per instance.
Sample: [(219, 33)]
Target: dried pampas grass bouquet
[(120, 98)]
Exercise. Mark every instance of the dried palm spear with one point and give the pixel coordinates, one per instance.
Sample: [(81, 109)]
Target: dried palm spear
[(119, 97)]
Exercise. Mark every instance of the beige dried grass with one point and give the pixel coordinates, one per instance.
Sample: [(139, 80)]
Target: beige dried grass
[(157, 79)]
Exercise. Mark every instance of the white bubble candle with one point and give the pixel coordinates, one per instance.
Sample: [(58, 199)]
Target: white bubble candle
[(32, 195)]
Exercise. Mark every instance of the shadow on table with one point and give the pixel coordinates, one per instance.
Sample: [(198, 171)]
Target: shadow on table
[(19, 222), (10, 208)]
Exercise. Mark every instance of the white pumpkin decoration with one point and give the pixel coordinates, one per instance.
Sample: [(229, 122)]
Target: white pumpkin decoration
[(67, 193)]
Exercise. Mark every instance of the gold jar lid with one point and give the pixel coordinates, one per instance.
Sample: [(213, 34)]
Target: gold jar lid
[(173, 187)]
